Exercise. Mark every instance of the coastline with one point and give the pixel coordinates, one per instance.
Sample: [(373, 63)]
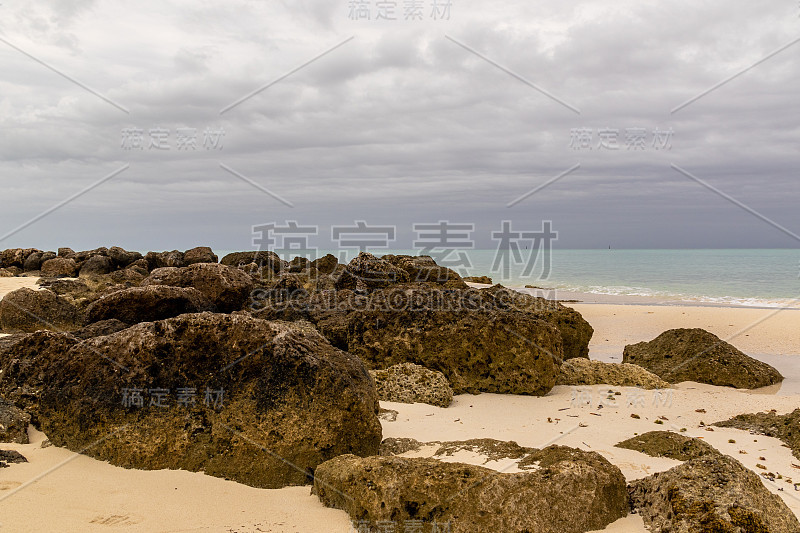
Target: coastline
[(96, 496)]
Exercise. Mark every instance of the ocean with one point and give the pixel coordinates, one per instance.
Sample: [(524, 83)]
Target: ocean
[(747, 277)]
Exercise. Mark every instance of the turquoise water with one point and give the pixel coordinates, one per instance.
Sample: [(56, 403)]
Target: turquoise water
[(731, 277)]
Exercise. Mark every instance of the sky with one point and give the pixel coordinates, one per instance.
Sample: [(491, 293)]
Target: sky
[(168, 125)]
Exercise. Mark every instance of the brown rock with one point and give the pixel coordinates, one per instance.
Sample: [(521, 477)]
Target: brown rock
[(26, 310), (367, 272), (96, 265), (579, 371), (146, 304), (410, 383), (13, 424), (227, 288), (669, 445), (475, 499), (711, 493), (59, 267), (697, 355), (291, 400), (200, 254)]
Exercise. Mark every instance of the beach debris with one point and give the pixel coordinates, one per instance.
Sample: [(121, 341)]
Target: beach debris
[(732, 441), (634, 415), (762, 467), (658, 421), (699, 410)]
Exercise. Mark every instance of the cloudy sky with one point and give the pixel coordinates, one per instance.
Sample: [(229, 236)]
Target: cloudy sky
[(468, 117)]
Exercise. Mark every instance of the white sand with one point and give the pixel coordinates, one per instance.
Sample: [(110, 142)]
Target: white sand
[(88, 495)]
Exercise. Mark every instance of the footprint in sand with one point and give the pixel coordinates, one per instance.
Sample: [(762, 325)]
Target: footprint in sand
[(8, 485), (116, 520)]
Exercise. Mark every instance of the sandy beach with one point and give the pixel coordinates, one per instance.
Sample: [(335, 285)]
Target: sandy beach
[(59, 490)]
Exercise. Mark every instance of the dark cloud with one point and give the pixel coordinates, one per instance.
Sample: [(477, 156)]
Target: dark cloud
[(401, 124)]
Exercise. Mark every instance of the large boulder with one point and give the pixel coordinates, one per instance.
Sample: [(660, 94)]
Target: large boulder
[(13, 424), (96, 265), (697, 355), (575, 330), (579, 371), (367, 272), (410, 383), (199, 254), (476, 345), (669, 445), (784, 427), (26, 310), (261, 403), (227, 288), (146, 304), (708, 494), (467, 498), (59, 267)]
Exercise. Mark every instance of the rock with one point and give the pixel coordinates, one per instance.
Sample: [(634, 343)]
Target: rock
[(146, 304), (697, 355), (326, 264), (784, 427), (99, 329), (575, 331), (123, 258), (669, 445), (6, 273), (26, 310), (367, 272), (263, 259), (33, 262), (23, 379), (399, 445), (410, 383), (461, 334), (711, 493), (13, 257), (13, 424), (486, 280), (227, 288), (200, 254), (128, 276), (59, 267), (85, 255), (67, 253), (579, 371), (164, 259), (289, 399), (97, 265), (11, 456), (476, 499), (424, 269), (298, 264)]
